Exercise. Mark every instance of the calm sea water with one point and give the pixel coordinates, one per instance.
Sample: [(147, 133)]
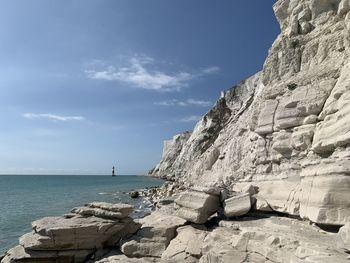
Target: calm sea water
[(25, 198)]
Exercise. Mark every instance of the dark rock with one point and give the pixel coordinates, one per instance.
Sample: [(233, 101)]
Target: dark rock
[(134, 194)]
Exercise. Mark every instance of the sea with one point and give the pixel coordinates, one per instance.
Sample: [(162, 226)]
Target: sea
[(25, 198)]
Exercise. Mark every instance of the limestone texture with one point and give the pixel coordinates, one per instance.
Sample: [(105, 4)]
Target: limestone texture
[(157, 230), (238, 205), (343, 238), (74, 237), (286, 129), (196, 206), (260, 177)]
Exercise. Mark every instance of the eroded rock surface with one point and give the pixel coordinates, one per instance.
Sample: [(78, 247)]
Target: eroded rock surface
[(270, 240), (286, 129), (238, 205), (157, 230), (251, 239), (187, 246), (76, 236), (197, 206), (343, 238)]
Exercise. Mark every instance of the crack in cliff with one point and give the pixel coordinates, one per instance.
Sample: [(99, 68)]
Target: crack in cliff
[(244, 107), (274, 115)]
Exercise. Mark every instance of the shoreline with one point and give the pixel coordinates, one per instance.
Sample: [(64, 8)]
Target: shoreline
[(79, 191), (169, 231)]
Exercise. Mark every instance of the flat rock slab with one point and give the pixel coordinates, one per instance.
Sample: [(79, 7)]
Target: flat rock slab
[(125, 259), (104, 210), (237, 206), (88, 211), (181, 258), (60, 233), (125, 209), (196, 206), (154, 236), (20, 255), (271, 239), (211, 190)]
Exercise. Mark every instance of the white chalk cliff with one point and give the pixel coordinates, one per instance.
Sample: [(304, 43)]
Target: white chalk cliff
[(286, 129)]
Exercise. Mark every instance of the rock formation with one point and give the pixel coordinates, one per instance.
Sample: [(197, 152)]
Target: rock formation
[(274, 149), (197, 206), (76, 236), (286, 130), (154, 236)]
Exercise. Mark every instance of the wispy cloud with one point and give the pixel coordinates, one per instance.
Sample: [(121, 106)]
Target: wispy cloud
[(184, 103), (52, 117), (138, 73), (192, 118), (210, 70)]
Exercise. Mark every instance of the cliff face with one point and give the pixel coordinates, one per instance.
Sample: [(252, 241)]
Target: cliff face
[(285, 130)]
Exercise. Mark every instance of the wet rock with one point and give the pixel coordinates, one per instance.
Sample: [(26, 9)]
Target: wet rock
[(134, 194)]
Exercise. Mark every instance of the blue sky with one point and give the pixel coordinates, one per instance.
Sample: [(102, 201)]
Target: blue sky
[(86, 84)]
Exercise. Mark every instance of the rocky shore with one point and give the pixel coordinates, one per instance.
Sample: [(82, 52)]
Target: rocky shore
[(263, 177), (196, 224)]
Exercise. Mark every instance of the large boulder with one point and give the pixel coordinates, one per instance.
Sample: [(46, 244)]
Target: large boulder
[(19, 254), (237, 205), (325, 196), (60, 233), (197, 206), (154, 236)]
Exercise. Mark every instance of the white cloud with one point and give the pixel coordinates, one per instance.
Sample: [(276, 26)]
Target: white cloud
[(185, 103), (138, 73), (192, 118), (52, 117), (210, 70), (201, 103)]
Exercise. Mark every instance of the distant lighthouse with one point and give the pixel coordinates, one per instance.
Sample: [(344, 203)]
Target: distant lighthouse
[(113, 171)]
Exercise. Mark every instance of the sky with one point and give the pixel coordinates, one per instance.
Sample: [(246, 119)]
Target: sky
[(88, 84)]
